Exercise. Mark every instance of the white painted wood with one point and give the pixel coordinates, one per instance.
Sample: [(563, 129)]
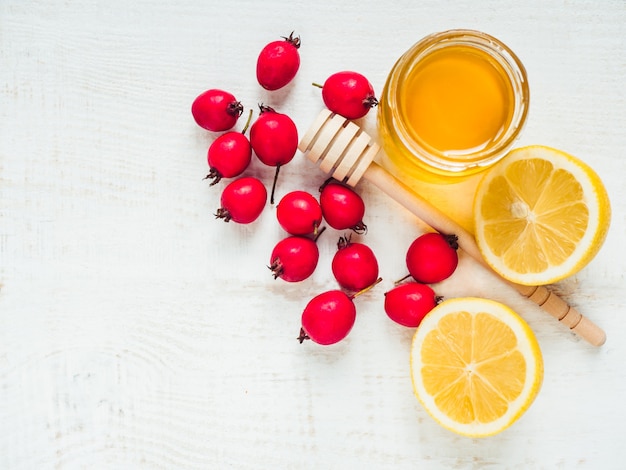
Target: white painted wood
[(138, 332)]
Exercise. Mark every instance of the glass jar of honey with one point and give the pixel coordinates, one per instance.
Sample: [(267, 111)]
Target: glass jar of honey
[(452, 105)]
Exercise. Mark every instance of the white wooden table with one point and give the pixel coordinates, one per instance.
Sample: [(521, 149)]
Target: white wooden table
[(138, 332)]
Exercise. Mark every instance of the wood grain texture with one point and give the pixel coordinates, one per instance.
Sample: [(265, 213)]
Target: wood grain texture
[(138, 332)]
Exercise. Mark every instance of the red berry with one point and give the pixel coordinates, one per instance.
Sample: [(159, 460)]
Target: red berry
[(407, 304), (278, 63), (274, 139), (432, 257), (216, 110), (294, 258), (354, 265), (299, 213), (342, 207), (328, 318), (229, 155), (348, 94), (242, 200)]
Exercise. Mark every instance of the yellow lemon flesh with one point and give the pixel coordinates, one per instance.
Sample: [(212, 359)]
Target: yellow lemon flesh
[(540, 215), (476, 366)]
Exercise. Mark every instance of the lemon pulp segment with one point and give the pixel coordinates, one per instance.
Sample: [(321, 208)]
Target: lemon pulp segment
[(476, 366), (540, 215)]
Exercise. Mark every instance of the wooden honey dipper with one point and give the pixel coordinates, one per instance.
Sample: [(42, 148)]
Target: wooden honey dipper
[(347, 154)]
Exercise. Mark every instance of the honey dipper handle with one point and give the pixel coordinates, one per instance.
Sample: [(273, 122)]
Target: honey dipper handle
[(425, 211), (436, 219), (563, 312)]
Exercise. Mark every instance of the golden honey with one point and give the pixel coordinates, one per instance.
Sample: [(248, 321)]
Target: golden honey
[(452, 106), (457, 101)]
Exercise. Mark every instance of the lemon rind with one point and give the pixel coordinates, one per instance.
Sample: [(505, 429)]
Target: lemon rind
[(588, 246), (527, 343)]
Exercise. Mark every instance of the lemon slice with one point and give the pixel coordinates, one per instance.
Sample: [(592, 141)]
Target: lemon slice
[(540, 215), (476, 366)]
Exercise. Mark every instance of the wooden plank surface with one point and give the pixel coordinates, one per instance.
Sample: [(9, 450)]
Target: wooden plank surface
[(138, 332)]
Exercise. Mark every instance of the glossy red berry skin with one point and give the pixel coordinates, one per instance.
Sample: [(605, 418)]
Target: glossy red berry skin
[(242, 200), (354, 265), (342, 207), (348, 94), (216, 110), (228, 156), (274, 140), (299, 213), (407, 304), (432, 257), (294, 259), (328, 318), (274, 137), (278, 63)]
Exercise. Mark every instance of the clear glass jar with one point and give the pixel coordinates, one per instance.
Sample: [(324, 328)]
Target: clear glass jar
[(482, 75), (452, 105)]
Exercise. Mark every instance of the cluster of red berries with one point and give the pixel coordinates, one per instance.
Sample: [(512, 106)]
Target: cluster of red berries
[(431, 258), (273, 135), (328, 317)]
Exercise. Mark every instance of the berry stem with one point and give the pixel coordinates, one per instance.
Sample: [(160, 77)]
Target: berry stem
[(245, 128), (274, 184), (362, 291), (317, 85), (399, 281), (318, 232)]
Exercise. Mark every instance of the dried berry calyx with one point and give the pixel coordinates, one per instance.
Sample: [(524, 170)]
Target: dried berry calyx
[(263, 108), (235, 108), (453, 241), (343, 242), (222, 213), (214, 175), (277, 268), (370, 102), (294, 41)]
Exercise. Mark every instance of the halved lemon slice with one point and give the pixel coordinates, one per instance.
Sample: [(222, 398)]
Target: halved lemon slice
[(540, 215), (476, 366)]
